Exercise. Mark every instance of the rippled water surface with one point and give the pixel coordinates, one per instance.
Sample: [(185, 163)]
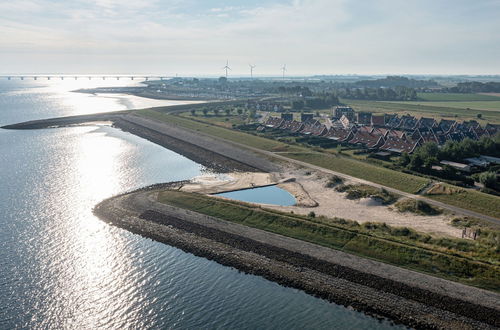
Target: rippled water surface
[(64, 268)]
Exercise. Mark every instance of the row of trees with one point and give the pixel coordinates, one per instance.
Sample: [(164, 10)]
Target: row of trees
[(227, 110), (475, 87), (399, 93), (395, 81), (318, 101)]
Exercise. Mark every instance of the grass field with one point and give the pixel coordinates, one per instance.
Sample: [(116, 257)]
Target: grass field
[(475, 105), (469, 262), (436, 110), (221, 132), (381, 175), (471, 200), (456, 97)]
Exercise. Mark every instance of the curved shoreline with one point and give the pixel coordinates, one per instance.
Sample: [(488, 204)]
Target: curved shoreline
[(325, 273)]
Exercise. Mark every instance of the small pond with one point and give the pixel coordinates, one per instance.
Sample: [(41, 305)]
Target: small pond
[(262, 195)]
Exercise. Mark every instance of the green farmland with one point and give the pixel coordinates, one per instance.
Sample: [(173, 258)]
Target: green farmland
[(473, 105), (457, 97), (439, 109)]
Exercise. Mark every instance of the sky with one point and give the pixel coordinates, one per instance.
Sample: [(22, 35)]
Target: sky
[(196, 37)]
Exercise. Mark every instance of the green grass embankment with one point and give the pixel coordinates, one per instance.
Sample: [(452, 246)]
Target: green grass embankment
[(359, 169), (469, 199), (469, 262), (220, 132)]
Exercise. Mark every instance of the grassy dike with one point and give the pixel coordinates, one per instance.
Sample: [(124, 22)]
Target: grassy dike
[(470, 262), (467, 199)]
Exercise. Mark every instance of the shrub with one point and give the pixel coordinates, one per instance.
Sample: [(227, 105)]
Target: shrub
[(417, 206), (334, 181)]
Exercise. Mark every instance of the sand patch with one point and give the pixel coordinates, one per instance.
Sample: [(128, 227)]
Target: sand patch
[(331, 203)]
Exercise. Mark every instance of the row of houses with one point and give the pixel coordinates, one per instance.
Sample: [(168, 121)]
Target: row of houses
[(408, 122), (400, 134)]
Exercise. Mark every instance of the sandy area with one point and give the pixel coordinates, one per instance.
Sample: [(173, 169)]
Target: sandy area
[(312, 195), (216, 183), (334, 204)]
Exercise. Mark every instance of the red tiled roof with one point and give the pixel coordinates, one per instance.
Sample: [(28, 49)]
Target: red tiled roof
[(378, 120), (367, 139), (396, 144), (339, 134)]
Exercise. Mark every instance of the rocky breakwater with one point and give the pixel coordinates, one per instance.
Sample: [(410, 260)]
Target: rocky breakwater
[(415, 299)]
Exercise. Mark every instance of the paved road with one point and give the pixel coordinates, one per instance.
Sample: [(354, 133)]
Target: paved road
[(442, 205)]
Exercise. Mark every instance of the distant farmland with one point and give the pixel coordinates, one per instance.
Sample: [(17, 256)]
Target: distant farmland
[(443, 97), (473, 105), (459, 110)]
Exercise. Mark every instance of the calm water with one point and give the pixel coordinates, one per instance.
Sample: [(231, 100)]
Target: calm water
[(266, 195), (63, 268)]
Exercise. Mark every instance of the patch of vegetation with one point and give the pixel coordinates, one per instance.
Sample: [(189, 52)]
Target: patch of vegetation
[(470, 262), (416, 206), (364, 191), (466, 199), (398, 180), (334, 181)]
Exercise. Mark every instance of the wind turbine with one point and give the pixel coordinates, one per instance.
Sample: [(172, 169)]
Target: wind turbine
[(251, 70), (227, 67), (283, 69)]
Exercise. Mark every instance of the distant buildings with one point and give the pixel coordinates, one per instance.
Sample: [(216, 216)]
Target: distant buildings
[(306, 117), (340, 111)]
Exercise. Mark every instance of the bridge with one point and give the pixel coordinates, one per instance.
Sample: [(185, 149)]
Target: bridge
[(88, 77)]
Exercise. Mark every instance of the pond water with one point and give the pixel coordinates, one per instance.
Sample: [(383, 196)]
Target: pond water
[(262, 195)]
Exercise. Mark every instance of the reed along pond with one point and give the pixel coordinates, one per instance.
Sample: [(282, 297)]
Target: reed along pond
[(64, 268)]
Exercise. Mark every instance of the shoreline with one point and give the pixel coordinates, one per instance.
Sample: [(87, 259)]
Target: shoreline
[(322, 272), (209, 152)]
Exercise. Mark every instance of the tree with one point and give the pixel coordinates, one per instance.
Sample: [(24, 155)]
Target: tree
[(479, 116), (240, 111), (216, 111), (193, 112), (205, 111), (297, 105), (252, 114), (416, 162), (405, 159), (222, 80), (228, 111), (488, 179)]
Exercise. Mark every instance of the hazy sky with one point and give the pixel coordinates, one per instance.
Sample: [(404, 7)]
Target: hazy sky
[(195, 37)]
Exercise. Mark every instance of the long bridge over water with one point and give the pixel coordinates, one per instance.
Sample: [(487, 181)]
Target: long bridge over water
[(88, 77)]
